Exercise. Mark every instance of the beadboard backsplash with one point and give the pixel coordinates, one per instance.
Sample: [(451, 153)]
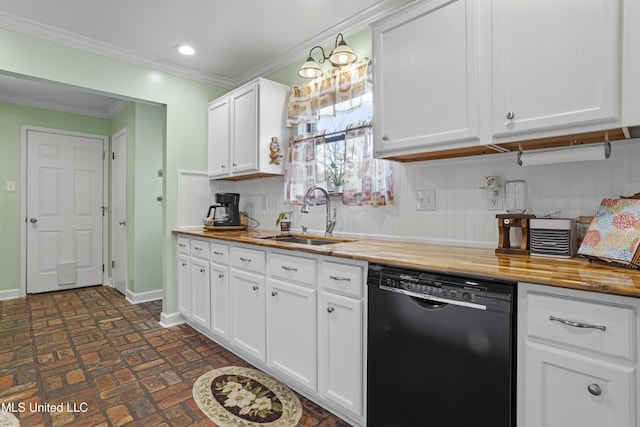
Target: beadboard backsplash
[(461, 214)]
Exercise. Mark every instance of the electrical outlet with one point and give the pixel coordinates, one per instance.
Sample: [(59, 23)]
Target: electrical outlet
[(426, 200), (494, 200)]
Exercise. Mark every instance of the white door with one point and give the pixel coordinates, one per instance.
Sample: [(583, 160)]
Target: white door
[(64, 210), (119, 211)]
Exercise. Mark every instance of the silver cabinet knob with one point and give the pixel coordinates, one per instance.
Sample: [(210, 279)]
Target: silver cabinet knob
[(274, 293), (221, 276), (330, 309), (254, 287), (122, 222), (385, 138), (202, 270), (33, 220), (594, 389), (510, 115)]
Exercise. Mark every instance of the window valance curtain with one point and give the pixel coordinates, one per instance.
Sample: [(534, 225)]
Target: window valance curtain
[(362, 179), (344, 89)]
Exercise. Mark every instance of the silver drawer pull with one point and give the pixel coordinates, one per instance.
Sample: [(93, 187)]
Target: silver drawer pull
[(197, 248), (218, 253), (245, 259), (341, 279), (576, 324), (182, 245), (284, 267)]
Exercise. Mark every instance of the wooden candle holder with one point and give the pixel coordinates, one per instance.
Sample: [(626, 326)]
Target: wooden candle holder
[(505, 223)]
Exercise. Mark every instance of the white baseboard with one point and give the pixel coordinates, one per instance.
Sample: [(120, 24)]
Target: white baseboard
[(10, 294), (140, 297), (172, 319)]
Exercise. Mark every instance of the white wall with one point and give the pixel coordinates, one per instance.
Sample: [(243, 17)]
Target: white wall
[(461, 214)]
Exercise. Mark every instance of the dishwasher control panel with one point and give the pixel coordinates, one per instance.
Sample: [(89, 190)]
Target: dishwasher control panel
[(443, 288)]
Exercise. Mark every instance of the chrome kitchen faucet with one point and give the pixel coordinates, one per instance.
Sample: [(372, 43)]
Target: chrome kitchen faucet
[(331, 221)]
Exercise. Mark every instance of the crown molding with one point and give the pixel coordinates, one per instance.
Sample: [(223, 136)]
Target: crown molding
[(87, 44), (26, 101)]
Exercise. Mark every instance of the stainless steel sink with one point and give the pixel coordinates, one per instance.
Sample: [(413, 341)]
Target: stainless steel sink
[(308, 240)]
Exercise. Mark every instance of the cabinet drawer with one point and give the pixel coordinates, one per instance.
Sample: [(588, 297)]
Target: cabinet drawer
[(248, 259), (200, 249), (183, 245), (588, 325), (219, 253), (342, 278), (297, 269)]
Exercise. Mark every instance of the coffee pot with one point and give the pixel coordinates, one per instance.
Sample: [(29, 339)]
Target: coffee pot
[(226, 211)]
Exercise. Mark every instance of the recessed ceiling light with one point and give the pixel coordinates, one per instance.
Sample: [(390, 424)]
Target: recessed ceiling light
[(185, 49)]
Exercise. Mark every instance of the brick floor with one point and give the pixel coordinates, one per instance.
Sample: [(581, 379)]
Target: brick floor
[(106, 362)]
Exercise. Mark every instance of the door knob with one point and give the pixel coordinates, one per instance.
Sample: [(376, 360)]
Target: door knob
[(33, 220)]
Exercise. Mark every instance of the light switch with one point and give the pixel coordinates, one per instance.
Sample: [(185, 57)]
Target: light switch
[(11, 186)]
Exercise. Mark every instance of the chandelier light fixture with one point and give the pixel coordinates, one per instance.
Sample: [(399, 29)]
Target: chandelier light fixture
[(340, 55)]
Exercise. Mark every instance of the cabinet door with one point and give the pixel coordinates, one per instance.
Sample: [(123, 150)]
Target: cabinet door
[(566, 389), (244, 129), (340, 357), (426, 84), (248, 329), (291, 331), (220, 300), (555, 64), (184, 296), (200, 293), (219, 138)]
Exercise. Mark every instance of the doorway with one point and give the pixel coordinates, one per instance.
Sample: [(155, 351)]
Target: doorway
[(63, 206)]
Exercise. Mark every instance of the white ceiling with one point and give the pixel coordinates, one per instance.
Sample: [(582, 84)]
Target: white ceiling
[(235, 40)]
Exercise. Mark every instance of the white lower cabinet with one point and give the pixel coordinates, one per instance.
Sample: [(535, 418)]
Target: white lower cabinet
[(220, 301), (565, 389), (291, 331), (200, 293), (577, 358), (247, 311), (297, 316), (340, 355), (184, 295)]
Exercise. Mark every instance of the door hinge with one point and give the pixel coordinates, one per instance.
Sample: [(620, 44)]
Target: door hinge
[(104, 155), (113, 263), (103, 268), (113, 156)]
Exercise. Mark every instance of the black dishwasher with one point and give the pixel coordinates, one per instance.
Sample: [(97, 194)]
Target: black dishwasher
[(441, 350)]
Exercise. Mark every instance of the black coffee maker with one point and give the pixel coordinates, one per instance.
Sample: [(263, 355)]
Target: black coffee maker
[(226, 211)]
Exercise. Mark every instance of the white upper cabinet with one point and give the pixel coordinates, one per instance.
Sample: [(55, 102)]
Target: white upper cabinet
[(426, 78), (242, 124), (219, 138), (556, 67)]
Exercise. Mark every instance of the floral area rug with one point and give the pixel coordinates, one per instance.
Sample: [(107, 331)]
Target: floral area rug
[(7, 419), (243, 397)]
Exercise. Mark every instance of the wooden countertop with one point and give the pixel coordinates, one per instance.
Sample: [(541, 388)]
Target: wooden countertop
[(575, 273)]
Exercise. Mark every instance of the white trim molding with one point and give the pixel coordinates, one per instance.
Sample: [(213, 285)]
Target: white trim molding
[(9, 294), (171, 319), (140, 297)]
